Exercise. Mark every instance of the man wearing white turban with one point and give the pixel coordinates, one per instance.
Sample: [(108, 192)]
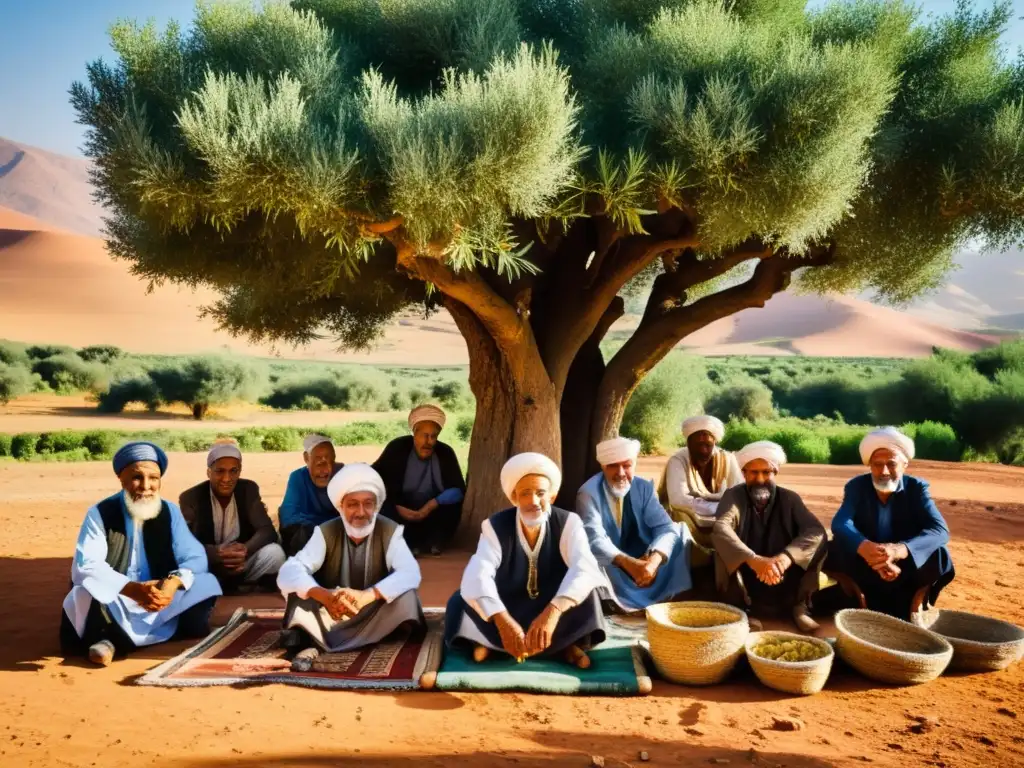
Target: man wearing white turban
[(631, 534), (424, 482), (305, 504), (355, 582), (531, 588), (695, 479), (227, 515), (769, 548), (889, 537)]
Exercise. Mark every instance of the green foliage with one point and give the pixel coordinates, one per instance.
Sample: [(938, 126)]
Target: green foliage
[(15, 381), (282, 439), (928, 389), (743, 400), (101, 353), (348, 389), (23, 446), (464, 428), (139, 389), (5, 444), (13, 353), (60, 442), (204, 381), (937, 442), (845, 394), (452, 395), (43, 351), (1008, 356), (672, 391), (101, 443), (67, 373)]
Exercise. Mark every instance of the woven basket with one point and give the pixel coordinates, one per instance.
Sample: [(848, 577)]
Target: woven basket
[(696, 643), (980, 643), (802, 677), (890, 650)]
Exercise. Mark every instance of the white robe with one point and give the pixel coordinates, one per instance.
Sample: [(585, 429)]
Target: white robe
[(94, 579), (703, 501), (296, 575), (480, 591)]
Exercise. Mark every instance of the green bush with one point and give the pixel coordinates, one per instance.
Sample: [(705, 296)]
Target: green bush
[(311, 403), (13, 353), (1008, 356), (101, 353), (78, 454), (345, 389), (250, 440), (59, 442), (844, 393), (673, 390), (740, 433), (802, 446), (936, 441), (844, 445), (23, 446), (367, 432), (68, 373), (15, 381), (101, 443), (748, 400), (452, 395), (139, 389), (5, 444), (282, 439), (43, 351), (201, 382), (938, 387), (464, 428)]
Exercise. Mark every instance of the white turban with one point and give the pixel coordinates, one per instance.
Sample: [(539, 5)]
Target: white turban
[(224, 450), (617, 450), (353, 478), (887, 437), (426, 413), (762, 449), (524, 464), (710, 424), (312, 441)]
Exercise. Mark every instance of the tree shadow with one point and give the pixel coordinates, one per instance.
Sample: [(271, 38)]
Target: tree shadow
[(559, 748)]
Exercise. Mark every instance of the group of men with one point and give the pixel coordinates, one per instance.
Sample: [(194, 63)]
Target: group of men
[(542, 577)]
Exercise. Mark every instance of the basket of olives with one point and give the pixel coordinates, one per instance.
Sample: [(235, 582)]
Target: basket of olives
[(789, 662)]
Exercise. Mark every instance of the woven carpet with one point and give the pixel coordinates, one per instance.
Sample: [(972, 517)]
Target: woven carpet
[(247, 651), (617, 668)]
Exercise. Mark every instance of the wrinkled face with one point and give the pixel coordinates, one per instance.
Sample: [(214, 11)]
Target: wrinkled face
[(619, 476), (886, 468), (424, 438), (358, 508), (533, 497), (224, 475), (701, 445), (141, 480), (320, 463), (758, 472)]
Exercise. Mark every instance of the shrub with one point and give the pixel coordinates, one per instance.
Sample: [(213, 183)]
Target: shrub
[(1008, 356), (100, 353), (993, 414), (673, 390), (68, 373), (23, 446), (802, 446), (15, 381), (13, 353), (282, 439), (139, 389), (101, 443), (843, 393), (464, 428), (345, 389), (311, 403), (367, 432), (936, 441), (452, 395), (250, 439), (200, 382), (5, 444), (927, 389), (43, 351), (748, 400), (844, 445), (59, 442)]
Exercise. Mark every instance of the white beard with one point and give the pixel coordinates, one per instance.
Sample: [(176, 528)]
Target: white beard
[(619, 491), (142, 510), (885, 486), (362, 531), (537, 521)]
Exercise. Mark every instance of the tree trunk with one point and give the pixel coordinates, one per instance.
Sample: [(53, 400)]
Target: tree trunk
[(199, 410), (577, 414)]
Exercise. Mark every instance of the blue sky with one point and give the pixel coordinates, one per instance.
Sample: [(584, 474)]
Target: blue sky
[(45, 44)]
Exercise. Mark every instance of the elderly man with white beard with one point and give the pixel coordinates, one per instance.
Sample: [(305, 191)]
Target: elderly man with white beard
[(355, 582), (531, 588), (139, 576), (631, 534), (890, 538)]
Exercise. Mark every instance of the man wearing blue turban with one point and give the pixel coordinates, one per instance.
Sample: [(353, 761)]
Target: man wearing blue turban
[(139, 577)]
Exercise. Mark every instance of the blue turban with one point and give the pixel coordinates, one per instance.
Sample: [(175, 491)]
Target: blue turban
[(139, 451)]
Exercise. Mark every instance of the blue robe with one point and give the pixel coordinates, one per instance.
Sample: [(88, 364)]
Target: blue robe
[(94, 579), (646, 527), (910, 517), (304, 503)]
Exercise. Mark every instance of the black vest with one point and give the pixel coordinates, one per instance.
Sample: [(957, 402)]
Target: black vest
[(514, 570), (156, 539)]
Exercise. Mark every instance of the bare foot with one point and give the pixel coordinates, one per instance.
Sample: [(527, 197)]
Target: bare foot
[(480, 653), (575, 656)]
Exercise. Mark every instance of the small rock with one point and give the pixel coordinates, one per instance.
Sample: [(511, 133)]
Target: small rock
[(848, 733), (597, 761), (644, 757), (787, 724), (694, 732), (986, 741), (894, 746), (1007, 712), (924, 724), (1002, 584), (990, 508), (952, 503)]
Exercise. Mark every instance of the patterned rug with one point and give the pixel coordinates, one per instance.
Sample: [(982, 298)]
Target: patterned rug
[(247, 651)]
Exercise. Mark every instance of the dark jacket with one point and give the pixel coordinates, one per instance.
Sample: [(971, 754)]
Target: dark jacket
[(916, 521), (256, 529), (392, 462)]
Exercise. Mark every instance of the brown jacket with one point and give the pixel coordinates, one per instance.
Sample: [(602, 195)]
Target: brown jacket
[(256, 529)]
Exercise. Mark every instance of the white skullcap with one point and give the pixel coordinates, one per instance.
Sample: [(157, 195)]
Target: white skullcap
[(426, 413), (312, 441), (524, 464), (356, 477), (887, 437), (223, 450), (705, 423), (762, 449), (617, 450)]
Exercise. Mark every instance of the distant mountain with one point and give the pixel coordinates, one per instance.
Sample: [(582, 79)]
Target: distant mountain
[(52, 188)]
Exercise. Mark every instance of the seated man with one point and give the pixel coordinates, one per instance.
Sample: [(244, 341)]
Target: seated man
[(424, 482), (305, 504), (890, 538), (355, 581), (695, 479), (230, 519), (532, 586), (139, 576), (769, 548), (631, 534)]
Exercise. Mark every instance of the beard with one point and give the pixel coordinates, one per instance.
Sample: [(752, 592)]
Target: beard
[(760, 493), (620, 490), (358, 532), (143, 509), (535, 520), (885, 486)]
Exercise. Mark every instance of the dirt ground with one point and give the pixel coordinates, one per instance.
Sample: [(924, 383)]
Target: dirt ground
[(64, 713)]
